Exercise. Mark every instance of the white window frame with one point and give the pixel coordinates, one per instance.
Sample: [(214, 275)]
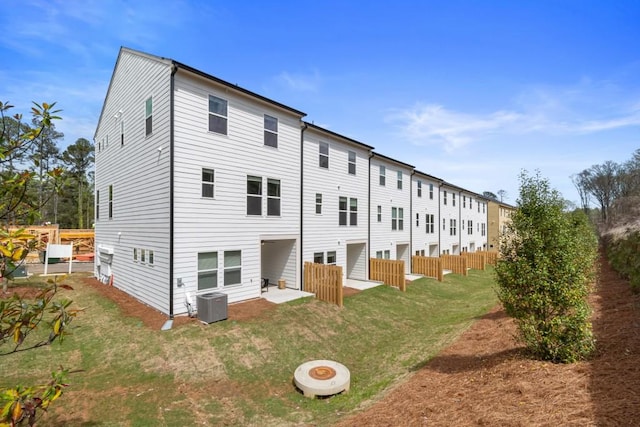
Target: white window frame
[(213, 270), (399, 180), (419, 186), (148, 116), (318, 256), (330, 255), (351, 158), (253, 196), (430, 191), (379, 213), (319, 203), (274, 198), (219, 117), (270, 131), (227, 269), (383, 176), (343, 209), (323, 155), (353, 211), (208, 184)]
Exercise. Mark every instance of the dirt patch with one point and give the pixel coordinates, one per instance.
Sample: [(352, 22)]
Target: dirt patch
[(154, 319), (485, 378)]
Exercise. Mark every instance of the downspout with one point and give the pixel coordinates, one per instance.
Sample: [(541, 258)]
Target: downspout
[(439, 218), (413, 172), (303, 128), (369, 219), (174, 70), (460, 219)]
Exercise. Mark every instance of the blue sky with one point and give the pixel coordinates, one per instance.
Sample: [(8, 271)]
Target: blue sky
[(469, 91)]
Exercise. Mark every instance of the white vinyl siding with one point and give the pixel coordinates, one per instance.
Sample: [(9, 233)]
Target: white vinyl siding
[(139, 211), (268, 243), (323, 233)]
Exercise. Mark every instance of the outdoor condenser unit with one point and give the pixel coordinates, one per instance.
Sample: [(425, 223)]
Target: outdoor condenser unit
[(212, 307)]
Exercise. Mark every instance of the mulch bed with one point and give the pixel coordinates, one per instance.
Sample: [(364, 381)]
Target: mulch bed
[(486, 379)]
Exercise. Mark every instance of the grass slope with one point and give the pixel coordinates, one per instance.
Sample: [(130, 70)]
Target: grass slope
[(240, 373)]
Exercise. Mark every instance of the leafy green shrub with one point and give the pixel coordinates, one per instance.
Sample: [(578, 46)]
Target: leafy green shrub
[(624, 257), (545, 272)]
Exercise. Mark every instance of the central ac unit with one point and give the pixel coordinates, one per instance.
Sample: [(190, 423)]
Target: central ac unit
[(212, 307)]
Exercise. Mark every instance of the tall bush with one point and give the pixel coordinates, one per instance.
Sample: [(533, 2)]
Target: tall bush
[(545, 271)]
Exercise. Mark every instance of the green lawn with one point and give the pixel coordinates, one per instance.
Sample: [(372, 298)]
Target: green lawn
[(240, 373)]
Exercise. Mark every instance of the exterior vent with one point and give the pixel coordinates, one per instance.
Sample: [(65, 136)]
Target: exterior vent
[(212, 307)]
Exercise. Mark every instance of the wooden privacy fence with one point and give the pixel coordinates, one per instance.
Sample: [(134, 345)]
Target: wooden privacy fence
[(325, 281), (388, 271), (475, 260), (455, 263), (427, 266), (492, 257)]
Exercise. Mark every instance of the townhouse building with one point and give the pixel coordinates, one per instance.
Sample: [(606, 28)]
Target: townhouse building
[(390, 220), (202, 185), (498, 217), (425, 209), (335, 192)]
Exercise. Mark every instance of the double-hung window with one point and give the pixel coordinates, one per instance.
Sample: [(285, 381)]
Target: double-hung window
[(232, 268), (254, 195), (429, 220), (419, 188), (401, 219), (444, 197), (379, 213), (469, 227), (318, 203), (148, 116), (323, 152), (273, 197), (383, 178), (353, 211), (399, 180), (270, 131), (453, 199), (110, 201), (218, 115), (342, 211), (207, 270), (452, 227), (207, 183), (394, 218), (417, 220), (352, 162), (464, 201), (97, 205), (430, 191)]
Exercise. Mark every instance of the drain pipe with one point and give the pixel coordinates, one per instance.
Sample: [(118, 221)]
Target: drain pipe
[(411, 215), (174, 70), (439, 218), (369, 219), (303, 128)]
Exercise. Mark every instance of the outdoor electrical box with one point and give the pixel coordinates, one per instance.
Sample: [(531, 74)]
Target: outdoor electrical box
[(212, 307)]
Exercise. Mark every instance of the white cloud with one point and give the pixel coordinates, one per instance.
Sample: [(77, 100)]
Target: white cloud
[(584, 108), (299, 82)]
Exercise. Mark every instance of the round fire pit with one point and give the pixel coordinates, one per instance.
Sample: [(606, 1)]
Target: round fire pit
[(322, 378)]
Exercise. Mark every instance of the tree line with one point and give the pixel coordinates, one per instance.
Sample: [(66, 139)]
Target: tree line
[(614, 187), (41, 182)]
